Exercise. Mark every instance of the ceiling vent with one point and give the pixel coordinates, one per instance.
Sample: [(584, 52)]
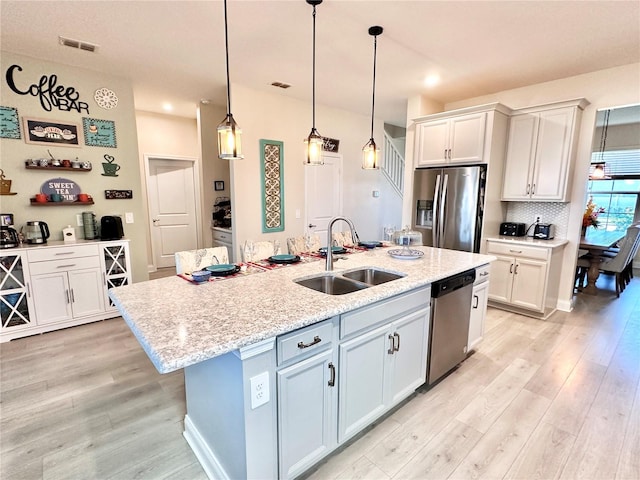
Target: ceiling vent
[(281, 85), (70, 42)]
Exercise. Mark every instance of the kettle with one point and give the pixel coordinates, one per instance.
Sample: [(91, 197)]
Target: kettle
[(36, 232)]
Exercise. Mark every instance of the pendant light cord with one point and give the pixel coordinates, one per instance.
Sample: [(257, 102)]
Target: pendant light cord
[(226, 48), (373, 95), (603, 135), (313, 84)]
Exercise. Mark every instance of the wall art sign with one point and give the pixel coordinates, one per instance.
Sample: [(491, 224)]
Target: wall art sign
[(272, 179), (118, 194), (330, 144), (9, 123), (218, 185), (48, 91), (106, 98), (110, 167), (99, 133), (62, 186), (48, 132)]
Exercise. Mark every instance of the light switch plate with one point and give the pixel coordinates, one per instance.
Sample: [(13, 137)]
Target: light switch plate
[(128, 217)]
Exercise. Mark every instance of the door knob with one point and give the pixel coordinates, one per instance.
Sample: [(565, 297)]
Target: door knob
[(156, 220), (311, 225)]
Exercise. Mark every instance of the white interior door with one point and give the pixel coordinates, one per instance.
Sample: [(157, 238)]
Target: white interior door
[(323, 195), (172, 205)]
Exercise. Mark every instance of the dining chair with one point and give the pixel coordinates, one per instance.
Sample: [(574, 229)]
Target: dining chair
[(340, 239), (619, 264), (193, 260), (253, 251), (303, 244)]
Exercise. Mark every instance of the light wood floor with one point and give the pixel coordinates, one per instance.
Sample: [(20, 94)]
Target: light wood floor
[(539, 399)]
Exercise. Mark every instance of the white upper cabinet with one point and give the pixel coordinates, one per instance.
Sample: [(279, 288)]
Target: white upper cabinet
[(458, 139), (540, 150)]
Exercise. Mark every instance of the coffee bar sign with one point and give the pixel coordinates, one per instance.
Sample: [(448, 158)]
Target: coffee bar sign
[(62, 186), (330, 144)]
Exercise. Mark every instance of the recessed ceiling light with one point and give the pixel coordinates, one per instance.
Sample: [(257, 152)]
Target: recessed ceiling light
[(432, 80), (167, 107), (281, 85)]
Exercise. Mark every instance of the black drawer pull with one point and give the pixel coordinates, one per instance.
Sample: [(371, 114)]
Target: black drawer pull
[(316, 339)]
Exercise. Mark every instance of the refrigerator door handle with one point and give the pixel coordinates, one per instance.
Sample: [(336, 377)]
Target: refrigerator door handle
[(443, 197), (436, 216)]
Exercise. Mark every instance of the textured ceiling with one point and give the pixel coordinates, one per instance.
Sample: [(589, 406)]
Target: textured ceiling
[(173, 51)]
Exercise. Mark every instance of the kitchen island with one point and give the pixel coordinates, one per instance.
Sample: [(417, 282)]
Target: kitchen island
[(264, 357)]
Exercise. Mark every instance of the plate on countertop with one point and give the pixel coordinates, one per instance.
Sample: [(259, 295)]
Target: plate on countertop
[(334, 250), (370, 244), (284, 258), (406, 254), (223, 269)]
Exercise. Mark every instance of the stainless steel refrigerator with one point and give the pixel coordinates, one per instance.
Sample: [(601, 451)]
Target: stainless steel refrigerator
[(448, 206)]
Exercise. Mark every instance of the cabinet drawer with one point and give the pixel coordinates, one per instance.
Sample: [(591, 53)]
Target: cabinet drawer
[(221, 236), (367, 317), (304, 342), (516, 250), (43, 254), (482, 274), (64, 265)]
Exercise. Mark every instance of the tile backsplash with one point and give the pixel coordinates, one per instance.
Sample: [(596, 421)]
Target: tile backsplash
[(549, 212)]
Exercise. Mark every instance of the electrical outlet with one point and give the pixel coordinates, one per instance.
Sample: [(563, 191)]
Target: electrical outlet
[(128, 217), (537, 218), (259, 389)]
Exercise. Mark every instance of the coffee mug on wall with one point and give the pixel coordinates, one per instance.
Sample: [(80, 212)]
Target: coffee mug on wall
[(41, 198), (56, 197), (83, 197), (110, 169)]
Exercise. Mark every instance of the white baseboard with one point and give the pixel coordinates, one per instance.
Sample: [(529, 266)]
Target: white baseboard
[(151, 268), (203, 453), (565, 305)]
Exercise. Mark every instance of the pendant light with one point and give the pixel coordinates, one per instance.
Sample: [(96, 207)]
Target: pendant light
[(370, 152), (314, 141), (598, 171), (229, 145)]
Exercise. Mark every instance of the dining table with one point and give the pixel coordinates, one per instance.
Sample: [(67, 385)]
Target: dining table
[(596, 242)]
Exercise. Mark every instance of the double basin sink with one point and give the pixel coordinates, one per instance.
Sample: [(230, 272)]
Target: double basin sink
[(348, 282)]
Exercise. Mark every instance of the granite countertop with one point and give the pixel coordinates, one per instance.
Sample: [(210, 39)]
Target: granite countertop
[(179, 323), (530, 241)]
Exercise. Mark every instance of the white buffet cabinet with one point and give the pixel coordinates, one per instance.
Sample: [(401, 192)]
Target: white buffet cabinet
[(525, 275), (59, 285)]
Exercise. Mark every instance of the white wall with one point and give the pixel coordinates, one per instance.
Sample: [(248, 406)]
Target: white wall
[(605, 88), (165, 135), (277, 117)]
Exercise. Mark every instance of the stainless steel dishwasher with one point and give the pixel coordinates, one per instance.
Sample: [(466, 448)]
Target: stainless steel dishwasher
[(450, 311)]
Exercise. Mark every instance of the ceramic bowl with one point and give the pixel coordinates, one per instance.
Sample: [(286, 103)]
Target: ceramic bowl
[(201, 275)]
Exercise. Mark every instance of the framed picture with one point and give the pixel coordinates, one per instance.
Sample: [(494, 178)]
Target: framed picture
[(272, 179), (9, 123), (49, 132), (99, 133), (218, 185)]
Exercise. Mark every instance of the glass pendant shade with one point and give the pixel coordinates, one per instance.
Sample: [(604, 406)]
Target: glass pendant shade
[(314, 144), (229, 140), (370, 155)]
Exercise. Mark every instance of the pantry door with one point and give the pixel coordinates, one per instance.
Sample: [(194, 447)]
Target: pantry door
[(323, 195), (172, 208)]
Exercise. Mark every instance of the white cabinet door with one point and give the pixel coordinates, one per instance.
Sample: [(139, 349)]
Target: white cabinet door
[(466, 138), (549, 178), (501, 278), (16, 304), (409, 360), (478, 314), (529, 279), (307, 407), (87, 292), (432, 142), (51, 297), (521, 148), (362, 380)]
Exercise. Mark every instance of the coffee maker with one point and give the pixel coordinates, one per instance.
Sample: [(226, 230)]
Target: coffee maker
[(8, 235)]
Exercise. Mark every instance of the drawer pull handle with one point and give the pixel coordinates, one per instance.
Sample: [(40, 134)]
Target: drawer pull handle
[(332, 380), (515, 251), (66, 266), (28, 290), (484, 274), (64, 253), (393, 345), (397, 349), (477, 300), (316, 340)]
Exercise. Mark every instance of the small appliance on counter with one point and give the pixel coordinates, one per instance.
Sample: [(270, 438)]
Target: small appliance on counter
[(513, 229), (36, 232), (8, 235), (111, 228), (544, 231)]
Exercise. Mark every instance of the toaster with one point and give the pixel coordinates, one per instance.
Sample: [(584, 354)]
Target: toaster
[(512, 229), (544, 231), (111, 228)]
